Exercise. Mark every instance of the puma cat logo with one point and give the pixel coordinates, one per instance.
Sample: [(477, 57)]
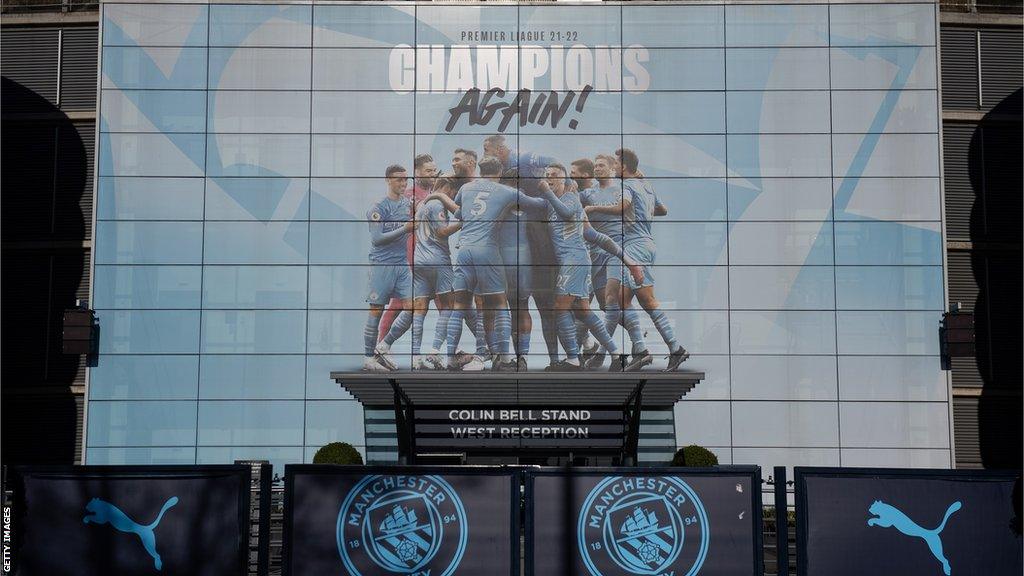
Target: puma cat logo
[(888, 516), (104, 512)]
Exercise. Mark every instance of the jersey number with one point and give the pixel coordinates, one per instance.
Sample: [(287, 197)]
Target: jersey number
[(480, 204)]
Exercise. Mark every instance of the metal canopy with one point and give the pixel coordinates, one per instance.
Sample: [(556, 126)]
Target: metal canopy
[(519, 389)]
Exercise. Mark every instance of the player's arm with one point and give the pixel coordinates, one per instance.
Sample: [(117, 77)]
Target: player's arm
[(446, 231), (659, 208), (378, 237), (547, 197), (617, 209)]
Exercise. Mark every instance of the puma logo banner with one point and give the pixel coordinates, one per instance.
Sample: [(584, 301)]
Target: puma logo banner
[(909, 522), (132, 521), (888, 516), (101, 512)]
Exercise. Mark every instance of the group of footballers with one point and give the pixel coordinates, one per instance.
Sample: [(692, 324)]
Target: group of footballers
[(528, 227)]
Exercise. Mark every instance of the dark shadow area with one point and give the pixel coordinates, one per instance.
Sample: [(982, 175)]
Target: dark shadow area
[(45, 169), (996, 236)]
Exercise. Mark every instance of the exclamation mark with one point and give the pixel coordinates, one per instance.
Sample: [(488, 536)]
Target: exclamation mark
[(579, 104)]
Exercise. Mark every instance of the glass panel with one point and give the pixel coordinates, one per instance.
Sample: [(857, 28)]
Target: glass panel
[(146, 287), (771, 155), (129, 198), (117, 377), (153, 111), (250, 423), (889, 155), (885, 111), (365, 69), (784, 378), (254, 331), (703, 422), (680, 69), (666, 156), (149, 242), (896, 458), (365, 112), (154, 68), (879, 25), (785, 424), (148, 331), (886, 68), (262, 25), (914, 199), (781, 288), (142, 423), (671, 26), (226, 377), (151, 154), (132, 456), (691, 199), (602, 114), (803, 112), (889, 332), (334, 421), (589, 25), (254, 287), (777, 69), (278, 456), (154, 25), (780, 199), (889, 288), (895, 424), (892, 378), (259, 69), (436, 24), (259, 112), (360, 155), (319, 384), (781, 243), (888, 243), (257, 155), (256, 242), (674, 112), (370, 26), (704, 241), (783, 332), (261, 199), (776, 25)]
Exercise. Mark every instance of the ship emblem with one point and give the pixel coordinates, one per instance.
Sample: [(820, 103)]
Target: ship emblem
[(394, 524), (403, 533), (642, 525)]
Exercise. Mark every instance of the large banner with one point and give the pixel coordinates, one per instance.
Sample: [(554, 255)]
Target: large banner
[(624, 522), (370, 521), (910, 522), (129, 521)]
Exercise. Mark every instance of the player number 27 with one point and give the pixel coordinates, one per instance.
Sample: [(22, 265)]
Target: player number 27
[(480, 203)]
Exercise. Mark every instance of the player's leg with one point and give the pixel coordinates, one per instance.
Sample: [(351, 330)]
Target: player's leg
[(401, 288), (568, 291), (390, 314), (649, 302), (493, 287), (378, 290), (596, 327), (444, 302)]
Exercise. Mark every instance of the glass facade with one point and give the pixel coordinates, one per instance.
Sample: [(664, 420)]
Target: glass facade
[(242, 150)]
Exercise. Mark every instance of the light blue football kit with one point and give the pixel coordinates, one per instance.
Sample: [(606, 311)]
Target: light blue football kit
[(389, 275), (607, 224)]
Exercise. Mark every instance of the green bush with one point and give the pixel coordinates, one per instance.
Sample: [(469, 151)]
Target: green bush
[(338, 453), (695, 457)]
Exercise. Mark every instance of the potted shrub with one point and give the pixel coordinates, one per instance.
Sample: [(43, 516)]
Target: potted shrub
[(338, 453), (694, 456)]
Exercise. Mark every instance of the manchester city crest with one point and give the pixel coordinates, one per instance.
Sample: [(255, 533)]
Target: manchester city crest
[(643, 525), (402, 525)]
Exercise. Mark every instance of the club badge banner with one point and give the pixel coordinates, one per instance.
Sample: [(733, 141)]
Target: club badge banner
[(390, 520), (911, 522), (623, 522), (130, 521)]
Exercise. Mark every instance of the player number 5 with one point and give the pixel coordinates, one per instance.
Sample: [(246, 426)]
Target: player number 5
[(480, 204)]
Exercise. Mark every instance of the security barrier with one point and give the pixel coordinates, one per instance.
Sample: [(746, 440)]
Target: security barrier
[(619, 521), (130, 520), (363, 521), (912, 522)]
